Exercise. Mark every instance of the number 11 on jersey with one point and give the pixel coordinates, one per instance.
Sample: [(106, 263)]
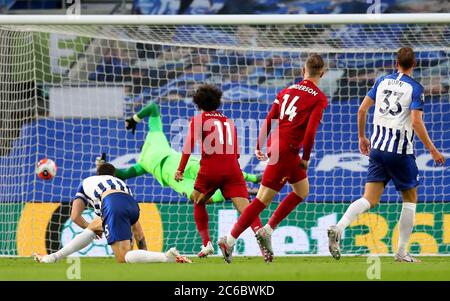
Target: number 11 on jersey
[(219, 127)]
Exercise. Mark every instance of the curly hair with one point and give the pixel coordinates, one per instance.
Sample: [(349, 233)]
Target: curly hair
[(207, 97)]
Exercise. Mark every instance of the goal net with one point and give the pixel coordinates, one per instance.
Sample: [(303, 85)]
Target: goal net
[(66, 90)]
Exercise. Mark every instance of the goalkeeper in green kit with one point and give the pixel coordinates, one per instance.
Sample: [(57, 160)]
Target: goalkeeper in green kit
[(160, 160)]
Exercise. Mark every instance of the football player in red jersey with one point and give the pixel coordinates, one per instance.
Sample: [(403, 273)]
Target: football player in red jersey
[(219, 165), (298, 110)]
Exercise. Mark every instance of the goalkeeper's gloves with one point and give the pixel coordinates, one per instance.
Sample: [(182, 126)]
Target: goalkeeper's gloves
[(100, 160), (130, 124)]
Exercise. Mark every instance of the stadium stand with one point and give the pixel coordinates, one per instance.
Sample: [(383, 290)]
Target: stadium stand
[(5, 5), (145, 76), (152, 7), (31, 5), (60, 6)]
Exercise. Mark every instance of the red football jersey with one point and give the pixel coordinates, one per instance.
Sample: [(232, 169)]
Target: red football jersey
[(298, 110), (217, 136)]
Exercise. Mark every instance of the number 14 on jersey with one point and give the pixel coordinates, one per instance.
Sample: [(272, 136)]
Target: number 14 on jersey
[(290, 110)]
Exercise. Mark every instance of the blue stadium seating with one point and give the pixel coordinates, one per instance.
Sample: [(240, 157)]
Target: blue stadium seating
[(154, 7), (6, 4), (35, 4)]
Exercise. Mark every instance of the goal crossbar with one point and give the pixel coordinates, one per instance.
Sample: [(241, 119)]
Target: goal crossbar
[(225, 19)]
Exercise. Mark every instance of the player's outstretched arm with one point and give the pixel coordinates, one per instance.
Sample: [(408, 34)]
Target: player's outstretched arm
[(310, 134), (364, 143), (265, 130), (76, 212), (150, 110), (422, 133), (188, 148), (76, 215), (127, 173), (122, 173)]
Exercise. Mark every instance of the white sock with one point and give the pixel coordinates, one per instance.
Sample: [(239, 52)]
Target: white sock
[(80, 241), (230, 240), (143, 256), (268, 229), (406, 224), (355, 209)]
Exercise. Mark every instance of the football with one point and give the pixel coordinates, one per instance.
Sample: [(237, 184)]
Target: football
[(46, 169)]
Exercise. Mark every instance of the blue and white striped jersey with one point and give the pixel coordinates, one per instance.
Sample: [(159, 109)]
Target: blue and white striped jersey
[(395, 96), (91, 188)]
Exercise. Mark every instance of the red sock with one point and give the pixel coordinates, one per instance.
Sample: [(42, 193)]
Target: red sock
[(201, 220), (286, 206), (247, 217), (256, 224)]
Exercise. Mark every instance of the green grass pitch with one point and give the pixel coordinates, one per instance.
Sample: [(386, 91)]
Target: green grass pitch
[(242, 268)]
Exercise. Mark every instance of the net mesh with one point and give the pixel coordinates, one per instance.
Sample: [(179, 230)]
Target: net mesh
[(66, 89)]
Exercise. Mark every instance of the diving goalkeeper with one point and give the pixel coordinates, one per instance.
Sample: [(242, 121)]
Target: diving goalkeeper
[(160, 160)]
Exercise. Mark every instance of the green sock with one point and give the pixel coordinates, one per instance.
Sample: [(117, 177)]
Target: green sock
[(251, 177)]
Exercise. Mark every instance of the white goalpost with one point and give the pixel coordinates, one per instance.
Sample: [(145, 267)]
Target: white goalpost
[(67, 83)]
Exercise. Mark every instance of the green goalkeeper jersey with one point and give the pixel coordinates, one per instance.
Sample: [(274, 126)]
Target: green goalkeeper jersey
[(160, 160)]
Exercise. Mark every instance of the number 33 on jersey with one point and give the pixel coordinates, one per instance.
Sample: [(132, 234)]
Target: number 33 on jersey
[(395, 95)]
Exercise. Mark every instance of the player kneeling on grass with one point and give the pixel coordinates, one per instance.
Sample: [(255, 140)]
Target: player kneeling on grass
[(113, 201), (298, 110), (399, 102), (219, 165)]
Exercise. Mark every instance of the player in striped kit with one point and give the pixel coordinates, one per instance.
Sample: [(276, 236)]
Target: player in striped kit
[(113, 201), (398, 100)]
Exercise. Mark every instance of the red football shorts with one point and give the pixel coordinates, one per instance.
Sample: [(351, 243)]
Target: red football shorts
[(286, 169), (231, 185)]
